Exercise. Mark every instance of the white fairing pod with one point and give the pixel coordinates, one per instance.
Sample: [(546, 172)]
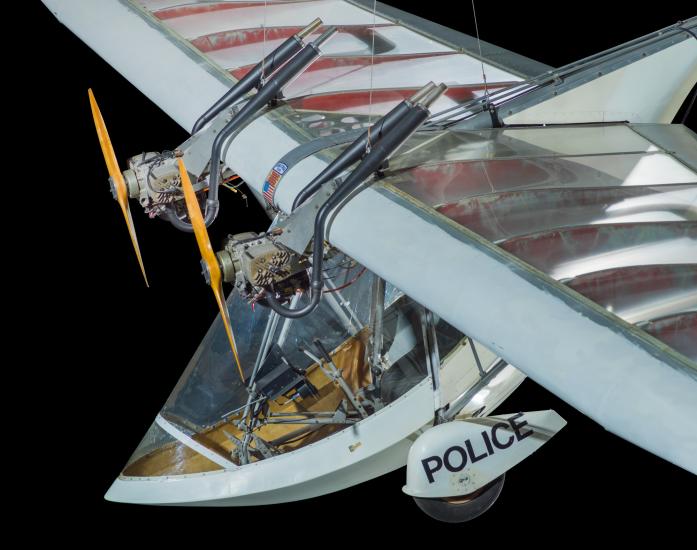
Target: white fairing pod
[(461, 457)]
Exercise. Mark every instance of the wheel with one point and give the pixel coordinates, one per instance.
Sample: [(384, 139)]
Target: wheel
[(464, 508)]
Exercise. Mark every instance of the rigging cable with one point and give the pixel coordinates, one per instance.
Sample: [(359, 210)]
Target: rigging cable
[(694, 88), (689, 108), (368, 144), (481, 58), (262, 78), (488, 105)]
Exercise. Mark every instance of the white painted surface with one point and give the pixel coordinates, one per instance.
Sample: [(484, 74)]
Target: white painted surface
[(325, 466), (380, 445), (250, 54), (614, 381), (179, 85), (332, 12), (451, 69), (342, 43), (461, 457), (408, 41), (649, 90)]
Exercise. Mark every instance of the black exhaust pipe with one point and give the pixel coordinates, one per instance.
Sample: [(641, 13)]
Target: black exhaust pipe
[(358, 148), (270, 91), (381, 150), (253, 78)]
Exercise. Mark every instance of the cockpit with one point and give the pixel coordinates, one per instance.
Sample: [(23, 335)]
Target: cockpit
[(366, 345)]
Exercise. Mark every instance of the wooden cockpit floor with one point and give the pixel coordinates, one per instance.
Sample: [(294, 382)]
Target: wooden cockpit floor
[(176, 458)]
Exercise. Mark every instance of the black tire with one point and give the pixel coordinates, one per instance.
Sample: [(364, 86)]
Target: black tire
[(459, 510)]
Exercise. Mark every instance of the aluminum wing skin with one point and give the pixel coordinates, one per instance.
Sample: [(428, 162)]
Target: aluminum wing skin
[(569, 251)]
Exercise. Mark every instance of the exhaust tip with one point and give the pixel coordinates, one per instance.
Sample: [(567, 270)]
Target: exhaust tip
[(312, 27), (326, 35), (429, 99), (422, 93)]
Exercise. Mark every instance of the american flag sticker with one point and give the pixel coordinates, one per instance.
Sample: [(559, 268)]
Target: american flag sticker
[(272, 180)]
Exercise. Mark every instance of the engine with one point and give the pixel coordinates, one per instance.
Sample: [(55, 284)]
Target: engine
[(255, 263)]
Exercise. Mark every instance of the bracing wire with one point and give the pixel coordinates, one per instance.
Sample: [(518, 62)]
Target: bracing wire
[(263, 47), (368, 144), (481, 58)]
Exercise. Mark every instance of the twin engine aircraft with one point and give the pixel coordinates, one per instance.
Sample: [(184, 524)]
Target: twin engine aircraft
[(444, 223)]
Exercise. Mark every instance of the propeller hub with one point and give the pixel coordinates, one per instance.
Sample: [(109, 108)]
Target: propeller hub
[(227, 266), (131, 183)]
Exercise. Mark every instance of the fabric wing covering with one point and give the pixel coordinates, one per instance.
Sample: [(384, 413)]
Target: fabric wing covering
[(236, 35), (601, 208), (609, 210)]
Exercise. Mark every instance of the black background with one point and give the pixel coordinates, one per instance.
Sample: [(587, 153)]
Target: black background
[(119, 348)]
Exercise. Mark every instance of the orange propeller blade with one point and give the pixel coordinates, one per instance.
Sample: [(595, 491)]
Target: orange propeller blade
[(116, 177), (204, 245)]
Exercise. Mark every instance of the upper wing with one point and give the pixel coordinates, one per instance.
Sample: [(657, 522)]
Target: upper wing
[(608, 209), (184, 54), (621, 233)]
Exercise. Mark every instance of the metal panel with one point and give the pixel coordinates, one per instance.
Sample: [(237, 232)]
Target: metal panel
[(380, 101), (400, 74), (499, 57), (641, 293), (337, 66), (235, 35), (598, 363), (570, 252), (508, 143), (274, 14), (677, 139), (239, 47), (644, 84), (501, 216), (678, 331), (449, 182), (606, 368)]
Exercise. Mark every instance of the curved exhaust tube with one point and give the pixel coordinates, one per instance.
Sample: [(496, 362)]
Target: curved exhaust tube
[(414, 117), (358, 148), (271, 90), (253, 78)]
